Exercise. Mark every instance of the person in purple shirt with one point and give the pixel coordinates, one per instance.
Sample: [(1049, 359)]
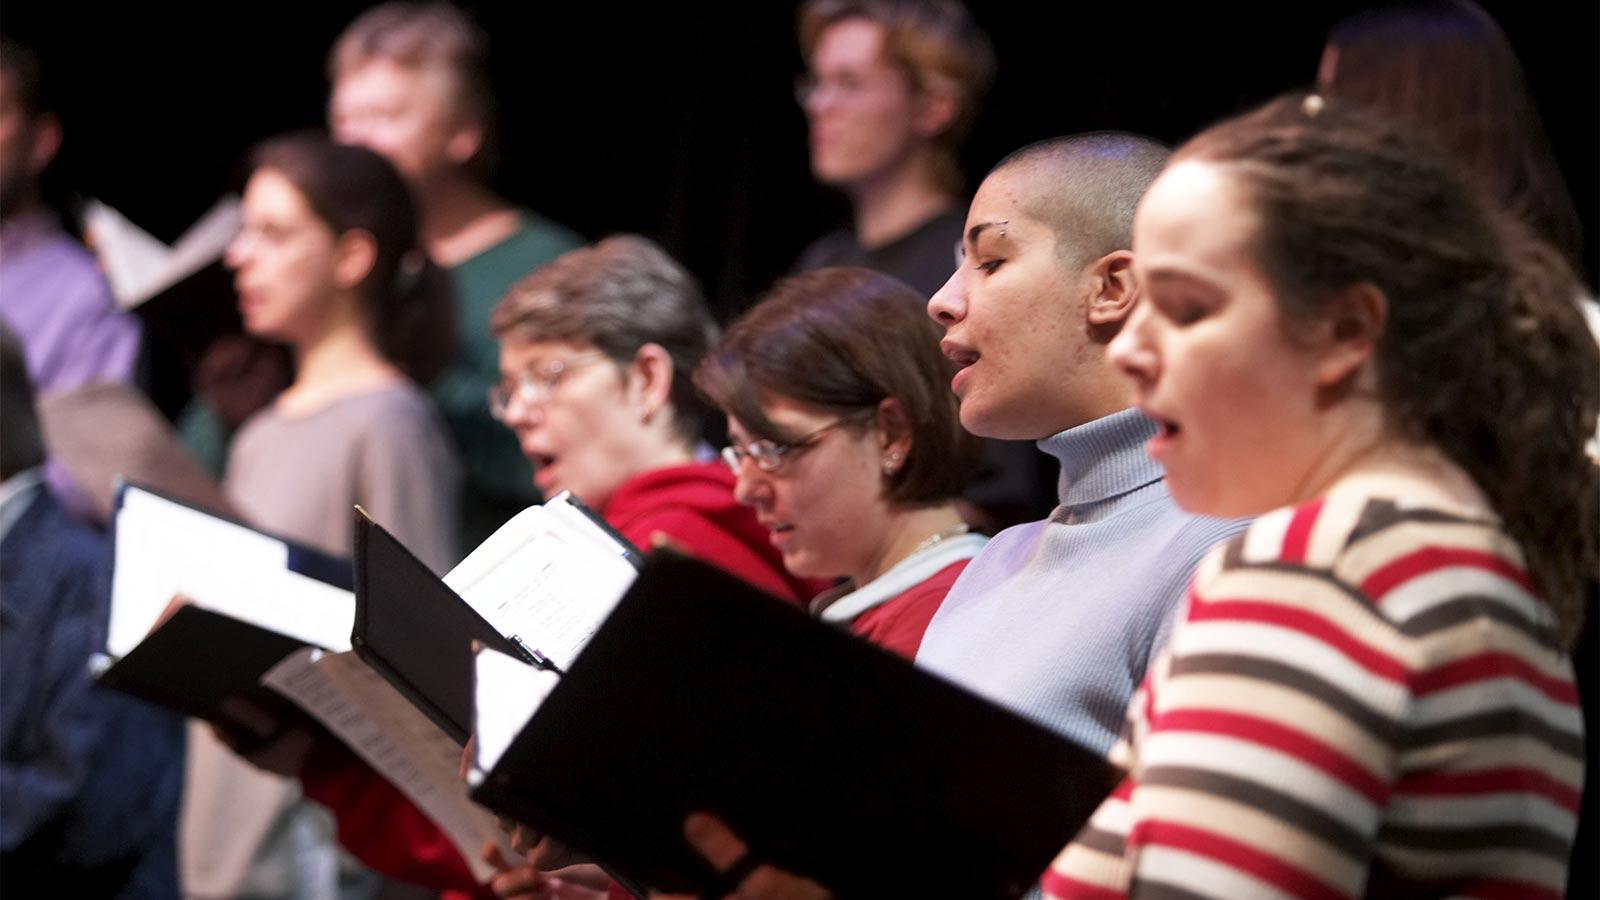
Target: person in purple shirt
[(52, 295), (51, 292)]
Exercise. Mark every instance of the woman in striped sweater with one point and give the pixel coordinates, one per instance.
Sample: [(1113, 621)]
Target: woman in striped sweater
[(1366, 694)]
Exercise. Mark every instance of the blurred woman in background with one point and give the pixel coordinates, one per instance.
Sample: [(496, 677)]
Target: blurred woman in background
[(328, 263)]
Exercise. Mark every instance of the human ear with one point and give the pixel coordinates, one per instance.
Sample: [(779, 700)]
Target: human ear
[(651, 379), (894, 434), (1350, 332), (1328, 67), (1113, 291), (937, 107), (46, 141), (465, 141), (355, 252)]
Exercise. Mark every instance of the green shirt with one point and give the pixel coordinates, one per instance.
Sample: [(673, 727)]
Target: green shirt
[(498, 479)]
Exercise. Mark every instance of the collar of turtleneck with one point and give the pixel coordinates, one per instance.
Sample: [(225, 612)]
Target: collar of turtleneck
[(1101, 461)]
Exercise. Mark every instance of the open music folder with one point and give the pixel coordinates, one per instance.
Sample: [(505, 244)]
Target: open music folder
[(538, 588), (830, 757), (253, 599)]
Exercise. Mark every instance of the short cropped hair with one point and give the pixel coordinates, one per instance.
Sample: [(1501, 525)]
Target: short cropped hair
[(1087, 187), (419, 35), (21, 444), (618, 295), (844, 340), (931, 41)]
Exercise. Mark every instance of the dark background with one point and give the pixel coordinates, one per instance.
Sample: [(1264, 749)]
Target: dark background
[(677, 121)]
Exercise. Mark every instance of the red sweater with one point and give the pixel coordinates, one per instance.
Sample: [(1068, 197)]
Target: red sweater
[(898, 624), (693, 507)]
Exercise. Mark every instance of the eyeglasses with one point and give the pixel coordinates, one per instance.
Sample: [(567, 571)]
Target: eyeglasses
[(848, 86), (769, 455), (535, 388)]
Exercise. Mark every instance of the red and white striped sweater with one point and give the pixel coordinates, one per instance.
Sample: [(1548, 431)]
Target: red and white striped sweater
[(1361, 699)]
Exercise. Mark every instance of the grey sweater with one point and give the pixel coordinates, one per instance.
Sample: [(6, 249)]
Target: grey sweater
[(1058, 619)]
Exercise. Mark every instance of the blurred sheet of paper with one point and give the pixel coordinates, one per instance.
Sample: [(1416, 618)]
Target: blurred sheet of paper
[(108, 431), (506, 694), (165, 549), (140, 267), (400, 743)]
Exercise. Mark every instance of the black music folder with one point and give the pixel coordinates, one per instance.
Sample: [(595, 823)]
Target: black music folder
[(830, 757), (254, 598), (416, 632), (547, 579)]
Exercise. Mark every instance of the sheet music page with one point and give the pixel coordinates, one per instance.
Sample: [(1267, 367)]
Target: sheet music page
[(130, 257), (399, 742), (552, 594), (204, 242), (523, 527), (544, 582), (165, 548), (506, 694), (139, 267)]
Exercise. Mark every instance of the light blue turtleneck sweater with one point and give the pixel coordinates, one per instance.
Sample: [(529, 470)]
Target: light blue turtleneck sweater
[(1058, 619)]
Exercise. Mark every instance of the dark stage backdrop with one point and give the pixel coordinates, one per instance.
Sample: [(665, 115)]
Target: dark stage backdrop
[(676, 119)]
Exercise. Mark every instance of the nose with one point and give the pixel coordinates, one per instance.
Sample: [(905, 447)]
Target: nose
[(948, 305), (751, 486), (812, 102), (521, 416), (1133, 351), (349, 129), (817, 97), (238, 250)]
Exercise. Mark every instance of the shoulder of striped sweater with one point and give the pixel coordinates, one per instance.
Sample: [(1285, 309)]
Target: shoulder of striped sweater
[(1422, 570)]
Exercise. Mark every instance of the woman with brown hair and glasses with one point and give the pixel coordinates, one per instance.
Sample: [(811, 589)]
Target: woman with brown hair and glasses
[(846, 441)]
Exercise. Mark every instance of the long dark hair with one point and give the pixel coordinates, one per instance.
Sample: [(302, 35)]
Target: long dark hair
[(407, 301), (1484, 355), (1445, 67)]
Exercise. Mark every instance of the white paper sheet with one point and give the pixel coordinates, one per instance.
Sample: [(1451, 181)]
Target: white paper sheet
[(506, 694), (546, 579), (165, 548), (398, 741), (139, 267)]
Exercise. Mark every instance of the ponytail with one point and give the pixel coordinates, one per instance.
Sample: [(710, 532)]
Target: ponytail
[(415, 322), (1547, 377)]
